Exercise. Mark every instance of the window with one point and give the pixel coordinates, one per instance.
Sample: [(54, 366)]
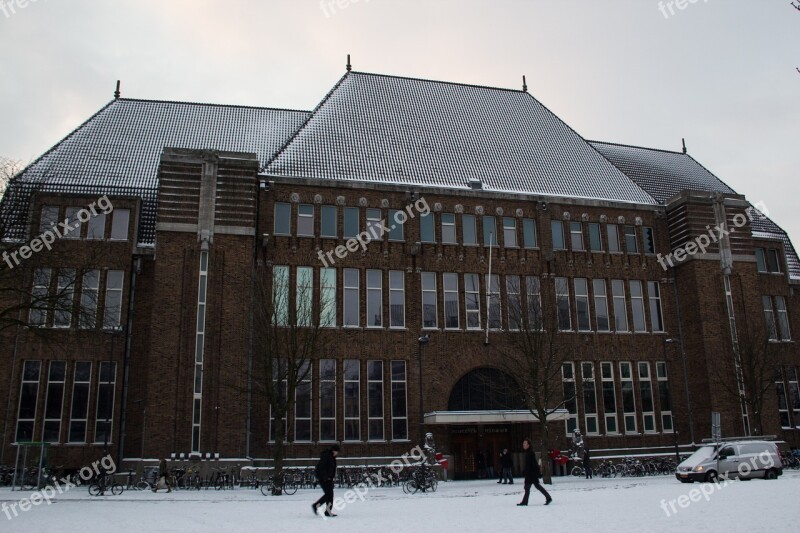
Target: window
[(54, 404), (595, 242), (119, 224), (609, 397), (429, 311), (374, 229), (448, 228), (104, 421), (620, 311), (374, 299), (534, 296), (529, 232), (65, 298), (576, 236), (327, 296), (399, 401), (489, 231), (79, 410), (630, 240), (794, 394), (280, 295), (304, 303), (570, 400), (396, 224), (75, 224), (589, 399), (761, 260), (302, 404), (305, 220), (327, 400), (773, 261), (656, 316), (48, 219), (649, 240), (28, 397), (563, 305), (664, 399), (283, 218), (494, 312), (352, 396), (280, 384), (783, 318), (351, 222), (612, 233), (637, 306), (469, 228), (350, 307), (328, 226), (601, 305), (90, 289), (557, 229), (646, 390), (450, 284), (375, 399), (39, 295), (197, 394), (472, 300), (628, 399), (514, 302), (426, 227), (97, 227), (509, 232), (769, 317), (582, 304), (397, 299), (783, 406), (113, 309)]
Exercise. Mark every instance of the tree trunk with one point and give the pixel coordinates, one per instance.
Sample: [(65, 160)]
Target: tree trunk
[(278, 452), (547, 477)]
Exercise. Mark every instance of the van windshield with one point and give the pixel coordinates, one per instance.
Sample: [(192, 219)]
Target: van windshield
[(701, 454)]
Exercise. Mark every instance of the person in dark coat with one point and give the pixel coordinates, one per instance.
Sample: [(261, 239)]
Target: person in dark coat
[(326, 473), (163, 473), (587, 463), (506, 465), (531, 473)]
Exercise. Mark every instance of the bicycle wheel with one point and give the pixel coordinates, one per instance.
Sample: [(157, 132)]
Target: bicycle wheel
[(577, 471), (117, 489), (266, 488), (95, 489), (434, 484), (142, 485), (289, 488)]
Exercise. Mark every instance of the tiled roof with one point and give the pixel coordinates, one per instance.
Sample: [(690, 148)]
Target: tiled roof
[(118, 150), (387, 129), (661, 173)]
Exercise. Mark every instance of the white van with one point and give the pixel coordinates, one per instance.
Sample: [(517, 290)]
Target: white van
[(734, 459)]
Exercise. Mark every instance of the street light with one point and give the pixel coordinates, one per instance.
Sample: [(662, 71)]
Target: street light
[(423, 340), (672, 407)]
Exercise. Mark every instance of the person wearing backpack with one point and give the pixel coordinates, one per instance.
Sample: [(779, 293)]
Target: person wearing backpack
[(326, 473)]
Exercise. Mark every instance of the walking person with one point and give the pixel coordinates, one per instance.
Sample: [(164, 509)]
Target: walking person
[(532, 474), (326, 473), (587, 463), (489, 466), (506, 465), (163, 474)]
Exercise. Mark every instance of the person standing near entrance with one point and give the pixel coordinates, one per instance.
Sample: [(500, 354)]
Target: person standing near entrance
[(506, 464), (532, 474), (587, 463), (326, 473)]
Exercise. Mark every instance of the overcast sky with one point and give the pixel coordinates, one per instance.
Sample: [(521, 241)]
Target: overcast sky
[(720, 73)]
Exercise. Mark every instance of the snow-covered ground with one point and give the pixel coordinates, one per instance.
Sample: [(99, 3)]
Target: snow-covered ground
[(621, 504)]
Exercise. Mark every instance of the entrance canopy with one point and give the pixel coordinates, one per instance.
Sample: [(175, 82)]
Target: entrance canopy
[(489, 417)]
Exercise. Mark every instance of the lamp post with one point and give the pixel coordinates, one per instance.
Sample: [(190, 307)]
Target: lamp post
[(672, 407), (422, 341)]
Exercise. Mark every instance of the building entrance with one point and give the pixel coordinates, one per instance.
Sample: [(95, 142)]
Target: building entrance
[(478, 444)]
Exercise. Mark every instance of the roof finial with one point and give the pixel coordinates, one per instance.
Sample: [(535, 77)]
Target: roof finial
[(116, 92), (684, 145), (524, 84), (349, 66)]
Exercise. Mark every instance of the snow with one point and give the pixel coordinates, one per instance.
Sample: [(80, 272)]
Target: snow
[(619, 505)]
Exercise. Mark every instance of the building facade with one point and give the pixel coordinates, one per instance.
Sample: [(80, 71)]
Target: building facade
[(671, 296)]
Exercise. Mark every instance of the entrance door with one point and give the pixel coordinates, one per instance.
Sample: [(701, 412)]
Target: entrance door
[(465, 444)]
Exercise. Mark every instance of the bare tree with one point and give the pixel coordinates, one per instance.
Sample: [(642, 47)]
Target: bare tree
[(289, 332), (534, 352)]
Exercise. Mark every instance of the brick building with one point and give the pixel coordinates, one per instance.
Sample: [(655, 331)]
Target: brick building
[(209, 199)]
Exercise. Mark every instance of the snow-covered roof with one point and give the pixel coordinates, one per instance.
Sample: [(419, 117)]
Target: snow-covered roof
[(118, 150), (388, 129)]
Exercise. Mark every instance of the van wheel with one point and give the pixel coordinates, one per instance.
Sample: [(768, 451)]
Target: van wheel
[(770, 474), (711, 477)]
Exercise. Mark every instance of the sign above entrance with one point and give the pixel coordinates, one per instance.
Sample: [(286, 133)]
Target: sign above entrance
[(488, 417)]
